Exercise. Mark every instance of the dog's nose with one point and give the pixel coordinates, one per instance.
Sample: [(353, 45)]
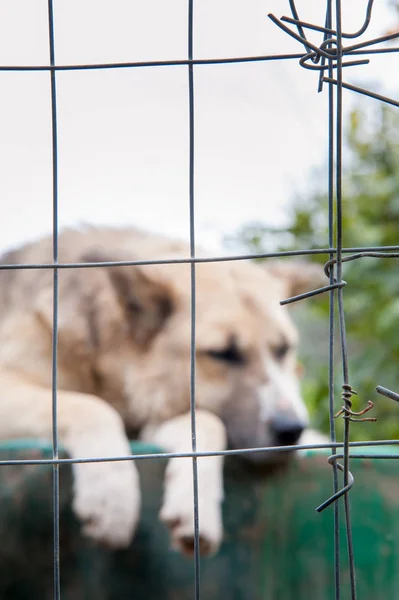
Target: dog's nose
[(286, 429)]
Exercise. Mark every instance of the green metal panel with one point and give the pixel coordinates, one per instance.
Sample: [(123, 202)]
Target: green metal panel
[(276, 546)]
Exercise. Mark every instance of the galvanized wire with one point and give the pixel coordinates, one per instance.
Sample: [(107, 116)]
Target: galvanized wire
[(362, 252), (235, 452), (333, 51), (342, 325), (331, 340), (190, 40), (331, 56), (54, 372), (184, 62)]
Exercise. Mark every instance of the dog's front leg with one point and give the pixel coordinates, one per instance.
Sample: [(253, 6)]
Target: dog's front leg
[(106, 495), (178, 504)]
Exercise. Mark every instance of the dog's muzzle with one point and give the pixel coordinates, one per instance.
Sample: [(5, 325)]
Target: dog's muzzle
[(258, 420)]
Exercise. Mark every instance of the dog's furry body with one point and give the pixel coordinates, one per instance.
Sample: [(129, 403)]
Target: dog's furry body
[(124, 365)]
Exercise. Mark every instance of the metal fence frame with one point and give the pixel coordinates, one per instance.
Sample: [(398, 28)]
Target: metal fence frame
[(327, 58)]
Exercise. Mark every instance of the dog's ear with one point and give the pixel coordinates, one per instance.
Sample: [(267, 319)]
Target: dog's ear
[(96, 304), (296, 277), (146, 300)]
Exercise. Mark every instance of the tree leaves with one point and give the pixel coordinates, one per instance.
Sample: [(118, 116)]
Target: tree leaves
[(370, 218)]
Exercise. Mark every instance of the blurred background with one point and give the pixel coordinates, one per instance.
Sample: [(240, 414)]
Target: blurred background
[(260, 154)]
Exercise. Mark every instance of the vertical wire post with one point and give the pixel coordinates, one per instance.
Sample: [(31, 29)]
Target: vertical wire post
[(344, 350), (190, 42), (337, 559), (56, 480)]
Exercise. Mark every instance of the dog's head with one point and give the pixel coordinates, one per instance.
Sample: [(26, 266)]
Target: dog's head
[(137, 322), (248, 343)]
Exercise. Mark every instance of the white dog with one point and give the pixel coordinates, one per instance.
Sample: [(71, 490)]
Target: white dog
[(124, 369)]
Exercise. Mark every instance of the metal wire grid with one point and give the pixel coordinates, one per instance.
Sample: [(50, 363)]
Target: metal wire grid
[(328, 57)]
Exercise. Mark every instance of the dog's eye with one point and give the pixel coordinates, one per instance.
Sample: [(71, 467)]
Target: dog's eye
[(133, 307), (281, 351), (231, 354)]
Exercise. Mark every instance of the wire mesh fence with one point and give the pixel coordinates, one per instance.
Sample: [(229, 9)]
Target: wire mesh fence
[(330, 60)]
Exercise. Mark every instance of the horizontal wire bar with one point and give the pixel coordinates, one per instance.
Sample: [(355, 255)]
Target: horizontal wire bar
[(189, 260), (346, 259), (180, 63), (152, 63), (168, 455), (373, 51), (389, 456)]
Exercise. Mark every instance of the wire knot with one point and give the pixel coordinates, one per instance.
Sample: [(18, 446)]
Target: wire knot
[(329, 54), (346, 410)]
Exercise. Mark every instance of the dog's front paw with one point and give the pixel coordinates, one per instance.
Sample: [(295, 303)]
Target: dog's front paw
[(178, 510), (180, 520), (107, 501)]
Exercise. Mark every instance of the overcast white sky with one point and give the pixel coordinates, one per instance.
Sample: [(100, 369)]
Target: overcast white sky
[(123, 134)]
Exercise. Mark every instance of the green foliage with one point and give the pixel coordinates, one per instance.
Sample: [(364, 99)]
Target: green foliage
[(370, 218)]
